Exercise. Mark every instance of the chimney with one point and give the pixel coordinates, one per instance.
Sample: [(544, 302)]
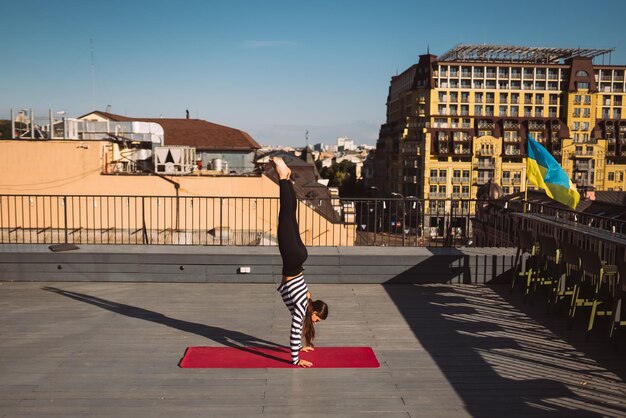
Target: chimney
[(187, 113)]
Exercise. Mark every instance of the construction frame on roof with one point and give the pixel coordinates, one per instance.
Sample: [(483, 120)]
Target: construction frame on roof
[(503, 53)]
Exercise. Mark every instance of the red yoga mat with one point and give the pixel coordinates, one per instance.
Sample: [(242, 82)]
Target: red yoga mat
[(260, 358)]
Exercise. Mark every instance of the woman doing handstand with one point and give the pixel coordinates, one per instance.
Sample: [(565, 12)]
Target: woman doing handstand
[(293, 288)]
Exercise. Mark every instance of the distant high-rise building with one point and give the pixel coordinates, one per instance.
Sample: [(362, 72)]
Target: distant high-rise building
[(460, 120), (345, 144)]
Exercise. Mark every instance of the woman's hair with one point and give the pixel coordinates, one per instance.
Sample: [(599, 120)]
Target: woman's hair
[(308, 330)]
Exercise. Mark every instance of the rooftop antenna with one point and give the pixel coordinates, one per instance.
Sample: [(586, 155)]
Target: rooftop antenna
[(93, 78)]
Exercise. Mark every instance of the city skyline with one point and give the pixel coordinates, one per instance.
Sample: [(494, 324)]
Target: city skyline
[(274, 69)]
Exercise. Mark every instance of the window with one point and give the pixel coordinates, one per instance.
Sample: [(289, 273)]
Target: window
[(442, 174), (442, 190), (582, 73), (433, 189), (511, 136), (456, 174), (433, 174), (581, 85), (466, 174)]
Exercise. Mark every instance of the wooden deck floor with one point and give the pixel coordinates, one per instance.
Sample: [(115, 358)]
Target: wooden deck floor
[(111, 349)]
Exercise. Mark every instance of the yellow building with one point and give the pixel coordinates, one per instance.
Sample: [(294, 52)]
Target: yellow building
[(458, 121)]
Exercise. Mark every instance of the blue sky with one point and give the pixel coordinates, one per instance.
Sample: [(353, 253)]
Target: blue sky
[(274, 69)]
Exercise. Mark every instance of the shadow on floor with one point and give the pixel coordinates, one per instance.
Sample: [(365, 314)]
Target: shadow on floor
[(229, 338), (501, 361)]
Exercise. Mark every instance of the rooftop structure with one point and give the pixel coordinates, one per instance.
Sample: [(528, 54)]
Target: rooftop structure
[(524, 54), (198, 133)]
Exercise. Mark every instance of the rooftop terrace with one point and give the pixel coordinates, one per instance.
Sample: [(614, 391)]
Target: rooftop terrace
[(446, 350)]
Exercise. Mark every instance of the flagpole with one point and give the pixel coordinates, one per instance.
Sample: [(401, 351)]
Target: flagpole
[(525, 195)]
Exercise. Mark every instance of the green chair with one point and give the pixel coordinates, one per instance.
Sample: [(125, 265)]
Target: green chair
[(526, 244), (599, 279), (548, 266), (569, 277), (617, 320)]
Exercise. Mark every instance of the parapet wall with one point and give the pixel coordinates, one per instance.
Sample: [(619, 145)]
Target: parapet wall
[(205, 264)]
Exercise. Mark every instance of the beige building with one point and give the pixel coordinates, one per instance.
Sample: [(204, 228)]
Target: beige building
[(458, 121), (48, 187)]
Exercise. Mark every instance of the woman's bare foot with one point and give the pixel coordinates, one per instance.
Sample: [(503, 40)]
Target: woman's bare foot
[(281, 168)]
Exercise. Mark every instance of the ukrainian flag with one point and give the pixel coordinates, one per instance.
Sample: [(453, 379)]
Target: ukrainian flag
[(543, 171)]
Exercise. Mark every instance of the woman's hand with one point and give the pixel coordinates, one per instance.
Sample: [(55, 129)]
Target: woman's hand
[(307, 348), (304, 363)]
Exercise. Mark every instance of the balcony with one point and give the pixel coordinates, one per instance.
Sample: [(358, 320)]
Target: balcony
[(583, 154), (485, 165)]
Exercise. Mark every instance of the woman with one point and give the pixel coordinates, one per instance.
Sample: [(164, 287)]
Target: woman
[(293, 288)]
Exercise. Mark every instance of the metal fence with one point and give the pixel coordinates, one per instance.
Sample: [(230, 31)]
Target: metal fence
[(242, 221), (97, 219)]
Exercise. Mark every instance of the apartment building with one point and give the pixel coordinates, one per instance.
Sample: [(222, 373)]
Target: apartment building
[(460, 120)]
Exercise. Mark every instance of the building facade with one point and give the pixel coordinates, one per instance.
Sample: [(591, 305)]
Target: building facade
[(457, 121)]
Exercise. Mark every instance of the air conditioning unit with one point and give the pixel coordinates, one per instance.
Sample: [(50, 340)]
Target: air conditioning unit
[(174, 159)]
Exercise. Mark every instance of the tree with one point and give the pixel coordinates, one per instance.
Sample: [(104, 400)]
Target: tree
[(343, 176)]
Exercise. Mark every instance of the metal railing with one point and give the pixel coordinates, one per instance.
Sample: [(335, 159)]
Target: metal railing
[(252, 221), (184, 220)]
